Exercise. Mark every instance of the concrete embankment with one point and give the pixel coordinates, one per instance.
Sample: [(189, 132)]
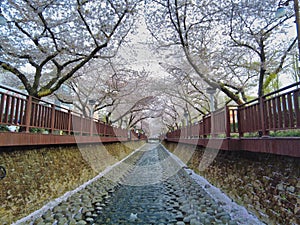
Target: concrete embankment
[(36, 176), (267, 185)]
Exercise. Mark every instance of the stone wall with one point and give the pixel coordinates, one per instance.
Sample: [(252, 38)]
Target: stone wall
[(36, 176), (267, 185)]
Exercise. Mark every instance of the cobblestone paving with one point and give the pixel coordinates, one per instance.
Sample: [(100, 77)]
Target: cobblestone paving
[(148, 188)]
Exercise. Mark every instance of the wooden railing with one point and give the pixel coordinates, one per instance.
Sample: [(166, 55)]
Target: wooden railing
[(28, 113), (276, 111)]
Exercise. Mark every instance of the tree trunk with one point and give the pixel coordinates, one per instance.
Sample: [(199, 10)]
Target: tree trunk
[(262, 68)]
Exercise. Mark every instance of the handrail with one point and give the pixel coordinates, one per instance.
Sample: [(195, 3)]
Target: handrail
[(282, 89), (12, 90), (275, 111), (272, 93), (26, 112)]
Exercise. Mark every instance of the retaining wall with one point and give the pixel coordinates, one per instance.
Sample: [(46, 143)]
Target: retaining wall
[(267, 185), (36, 176)]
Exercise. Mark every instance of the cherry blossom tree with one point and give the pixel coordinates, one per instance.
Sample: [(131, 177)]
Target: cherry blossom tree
[(230, 45), (261, 38), (44, 43)]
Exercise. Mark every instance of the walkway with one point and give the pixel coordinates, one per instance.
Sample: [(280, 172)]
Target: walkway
[(149, 187)]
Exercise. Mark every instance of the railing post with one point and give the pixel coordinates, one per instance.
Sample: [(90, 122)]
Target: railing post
[(6, 114), (104, 130), (91, 126), (197, 133), (203, 127), (262, 116), (69, 121), (212, 125), (227, 121), (28, 114), (2, 103), (97, 127), (241, 133), (52, 117), (81, 125)]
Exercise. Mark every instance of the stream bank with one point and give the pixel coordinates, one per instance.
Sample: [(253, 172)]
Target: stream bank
[(267, 185), (37, 175)]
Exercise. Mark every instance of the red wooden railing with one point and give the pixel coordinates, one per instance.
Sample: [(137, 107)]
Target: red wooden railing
[(278, 110), (26, 112)]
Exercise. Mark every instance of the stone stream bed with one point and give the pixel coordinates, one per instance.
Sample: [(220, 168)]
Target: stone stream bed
[(152, 186)]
